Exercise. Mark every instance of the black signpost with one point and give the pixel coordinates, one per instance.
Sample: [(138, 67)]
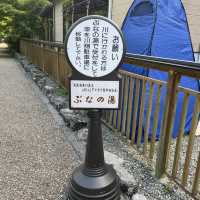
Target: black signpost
[(94, 47)]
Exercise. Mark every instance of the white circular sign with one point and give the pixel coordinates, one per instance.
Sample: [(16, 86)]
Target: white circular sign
[(94, 46)]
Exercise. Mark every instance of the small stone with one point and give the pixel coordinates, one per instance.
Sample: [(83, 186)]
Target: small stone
[(78, 125), (25, 62), (128, 188), (68, 115), (139, 197), (82, 134), (48, 90), (73, 120), (41, 83), (51, 83), (59, 102), (82, 113), (66, 111), (36, 74), (36, 71), (28, 67)]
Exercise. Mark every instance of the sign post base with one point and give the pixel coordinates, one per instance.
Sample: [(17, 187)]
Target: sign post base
[(94, 180)]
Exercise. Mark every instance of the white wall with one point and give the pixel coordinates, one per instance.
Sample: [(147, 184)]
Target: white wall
[(58, 23), (120, 9), (192, 8)]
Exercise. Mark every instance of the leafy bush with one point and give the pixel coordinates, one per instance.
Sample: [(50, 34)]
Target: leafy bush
[(20, 18)]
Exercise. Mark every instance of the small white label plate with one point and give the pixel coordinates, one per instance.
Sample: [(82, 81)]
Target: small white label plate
[(94, 94)]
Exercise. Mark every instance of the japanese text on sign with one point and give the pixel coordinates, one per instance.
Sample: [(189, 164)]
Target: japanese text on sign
[(94, 94), (95, 47)]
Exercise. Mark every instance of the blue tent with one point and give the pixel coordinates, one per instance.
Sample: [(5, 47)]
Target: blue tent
[(159, 28)]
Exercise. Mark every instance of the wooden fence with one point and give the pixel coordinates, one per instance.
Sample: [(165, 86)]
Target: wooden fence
[(49, 56), (178, 159)]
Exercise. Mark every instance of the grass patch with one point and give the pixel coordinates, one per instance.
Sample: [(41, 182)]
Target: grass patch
[(61, 92)]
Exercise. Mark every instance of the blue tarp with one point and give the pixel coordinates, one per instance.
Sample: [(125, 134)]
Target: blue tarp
[(159, 28)]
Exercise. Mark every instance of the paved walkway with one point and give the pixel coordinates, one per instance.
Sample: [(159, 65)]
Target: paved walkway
[(35, 157)]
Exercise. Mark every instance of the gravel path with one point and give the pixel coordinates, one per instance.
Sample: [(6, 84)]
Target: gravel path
[(35, 155)]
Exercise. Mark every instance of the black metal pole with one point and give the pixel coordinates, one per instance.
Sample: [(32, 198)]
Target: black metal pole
[(94, 151), (94, 180)]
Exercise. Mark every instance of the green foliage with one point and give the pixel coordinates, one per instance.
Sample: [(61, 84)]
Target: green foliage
[(20, 18), (61, 92), (67, 3)]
